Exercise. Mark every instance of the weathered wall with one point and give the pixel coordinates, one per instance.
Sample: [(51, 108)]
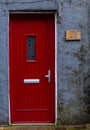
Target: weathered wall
[(3, 64), (73, 61)]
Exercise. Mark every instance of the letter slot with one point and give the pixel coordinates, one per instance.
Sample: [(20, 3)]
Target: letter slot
[(31, 81)]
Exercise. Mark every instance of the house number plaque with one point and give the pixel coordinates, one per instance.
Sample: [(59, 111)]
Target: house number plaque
[(72, 35)]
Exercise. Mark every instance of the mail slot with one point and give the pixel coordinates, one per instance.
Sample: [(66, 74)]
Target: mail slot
[(31, 81)]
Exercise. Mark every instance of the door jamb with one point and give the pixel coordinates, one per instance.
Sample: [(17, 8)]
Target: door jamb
[(55, 18)]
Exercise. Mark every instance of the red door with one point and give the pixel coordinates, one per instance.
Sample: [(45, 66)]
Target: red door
[(32, 68)]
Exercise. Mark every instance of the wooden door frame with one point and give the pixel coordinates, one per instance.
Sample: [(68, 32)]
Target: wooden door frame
[(22, 12)]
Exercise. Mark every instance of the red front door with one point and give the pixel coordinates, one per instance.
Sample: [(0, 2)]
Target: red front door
[(32, 68)]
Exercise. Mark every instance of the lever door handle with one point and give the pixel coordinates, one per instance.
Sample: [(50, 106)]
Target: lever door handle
[(48, 76)]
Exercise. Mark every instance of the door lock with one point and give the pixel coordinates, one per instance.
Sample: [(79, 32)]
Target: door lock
[(48, 76)]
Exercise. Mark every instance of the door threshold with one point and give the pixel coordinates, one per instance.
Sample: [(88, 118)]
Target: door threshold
[(31, 124)]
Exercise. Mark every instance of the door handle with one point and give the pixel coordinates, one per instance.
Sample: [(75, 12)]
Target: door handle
[(48, 76)]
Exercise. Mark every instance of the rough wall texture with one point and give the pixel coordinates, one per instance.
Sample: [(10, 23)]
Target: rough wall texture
[(73, 61), (3, 65)]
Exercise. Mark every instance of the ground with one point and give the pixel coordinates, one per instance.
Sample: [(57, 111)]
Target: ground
[(57, 127)]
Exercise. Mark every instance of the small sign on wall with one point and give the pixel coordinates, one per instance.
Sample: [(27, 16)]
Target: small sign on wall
[(72, 35)]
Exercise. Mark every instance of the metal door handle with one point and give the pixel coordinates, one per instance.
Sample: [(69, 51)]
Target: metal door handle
[(48, 76)]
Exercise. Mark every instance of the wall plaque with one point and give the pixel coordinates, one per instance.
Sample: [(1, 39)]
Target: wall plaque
[(72, 35)]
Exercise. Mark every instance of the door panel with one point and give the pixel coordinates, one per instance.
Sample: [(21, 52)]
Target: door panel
[(32, 68)]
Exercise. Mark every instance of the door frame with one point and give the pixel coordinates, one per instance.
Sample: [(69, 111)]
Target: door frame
[(26, 12)]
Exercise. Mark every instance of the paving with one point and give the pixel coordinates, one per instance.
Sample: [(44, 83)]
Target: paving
[(70, 127)]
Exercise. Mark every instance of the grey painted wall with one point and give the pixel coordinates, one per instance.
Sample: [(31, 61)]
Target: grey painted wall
[(73, 61)]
